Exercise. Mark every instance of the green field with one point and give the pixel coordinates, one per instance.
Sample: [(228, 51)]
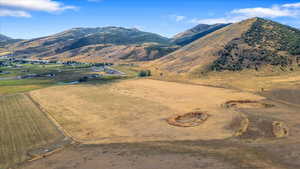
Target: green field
[(23, 127), (63, 74)]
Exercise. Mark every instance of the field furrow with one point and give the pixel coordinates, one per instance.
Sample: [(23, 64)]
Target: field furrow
[(23, 127)]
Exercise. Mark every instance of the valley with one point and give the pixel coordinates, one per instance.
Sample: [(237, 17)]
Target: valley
[(222, 96)]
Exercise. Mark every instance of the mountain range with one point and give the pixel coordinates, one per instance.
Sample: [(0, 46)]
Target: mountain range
[(249, 44), (95, 44)]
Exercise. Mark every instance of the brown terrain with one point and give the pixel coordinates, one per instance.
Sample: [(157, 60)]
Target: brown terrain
[(201, 52), (114, 53), (250, 44), (229, 100), (134, 105), (107, 44), (243, 130)]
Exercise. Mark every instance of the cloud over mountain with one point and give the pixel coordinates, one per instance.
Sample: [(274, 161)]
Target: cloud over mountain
[(20, 8), (14, 13), (236, 15)]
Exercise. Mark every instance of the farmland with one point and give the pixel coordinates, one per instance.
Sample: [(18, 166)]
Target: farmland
[(132, 114), (26, 131), (23, 127), (112, 111), (219, 96), (20, 77), (123, 111)]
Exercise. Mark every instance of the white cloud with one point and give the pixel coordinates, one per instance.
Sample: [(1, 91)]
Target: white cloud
[(273, 12), (285, 10), (139, 27), (39, 5), (212, 21), (293, 5), (178, 18), (14, 13)]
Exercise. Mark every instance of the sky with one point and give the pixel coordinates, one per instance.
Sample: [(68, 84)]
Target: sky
[(28, 19)]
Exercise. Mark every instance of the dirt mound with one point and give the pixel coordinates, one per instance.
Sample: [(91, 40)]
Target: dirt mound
[(259, 128), (247, 104), (280, 129), (191, 119), (239, 124)]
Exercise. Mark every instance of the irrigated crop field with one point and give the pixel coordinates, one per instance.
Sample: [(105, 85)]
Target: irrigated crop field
[(23, 127), (137, 110)]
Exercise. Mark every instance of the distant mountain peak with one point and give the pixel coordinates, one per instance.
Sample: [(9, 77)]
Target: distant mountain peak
[(4, 38), (195, 33)]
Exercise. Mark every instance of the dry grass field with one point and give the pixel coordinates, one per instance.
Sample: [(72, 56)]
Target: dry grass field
[(23, 127), (136, 110), (124, 124), (268, 78), (253, 81)]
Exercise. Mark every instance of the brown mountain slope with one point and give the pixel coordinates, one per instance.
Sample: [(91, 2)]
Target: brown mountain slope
[(202, 51), (248, 44), (96, 44), (115, 53)]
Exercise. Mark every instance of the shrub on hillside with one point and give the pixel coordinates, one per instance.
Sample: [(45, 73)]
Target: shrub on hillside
[(144, 73), (83, 79)]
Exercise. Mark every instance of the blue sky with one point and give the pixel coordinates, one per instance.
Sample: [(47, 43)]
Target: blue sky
[(35, 18)]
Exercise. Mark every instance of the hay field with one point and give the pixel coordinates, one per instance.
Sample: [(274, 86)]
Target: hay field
[(136, 110), (23, 127), (269, 78)]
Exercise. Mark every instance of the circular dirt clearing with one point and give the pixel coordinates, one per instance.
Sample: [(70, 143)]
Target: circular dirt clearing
[(191, 119), (247, 104)]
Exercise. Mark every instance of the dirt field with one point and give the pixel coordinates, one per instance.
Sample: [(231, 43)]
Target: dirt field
[(291, 95), (137, 156), (255, 149), (207, 146), (136, 110), (23, 127)]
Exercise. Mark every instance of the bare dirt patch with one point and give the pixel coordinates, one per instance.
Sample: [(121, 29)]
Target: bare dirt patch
[(135, 156), (191, 119), (239, 124)]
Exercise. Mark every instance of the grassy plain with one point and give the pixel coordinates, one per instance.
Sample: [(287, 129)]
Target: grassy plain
[(123, 111), (267, 79), (136, 111), (108, 110), (23, 127), (18, 86), (63, 73)]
